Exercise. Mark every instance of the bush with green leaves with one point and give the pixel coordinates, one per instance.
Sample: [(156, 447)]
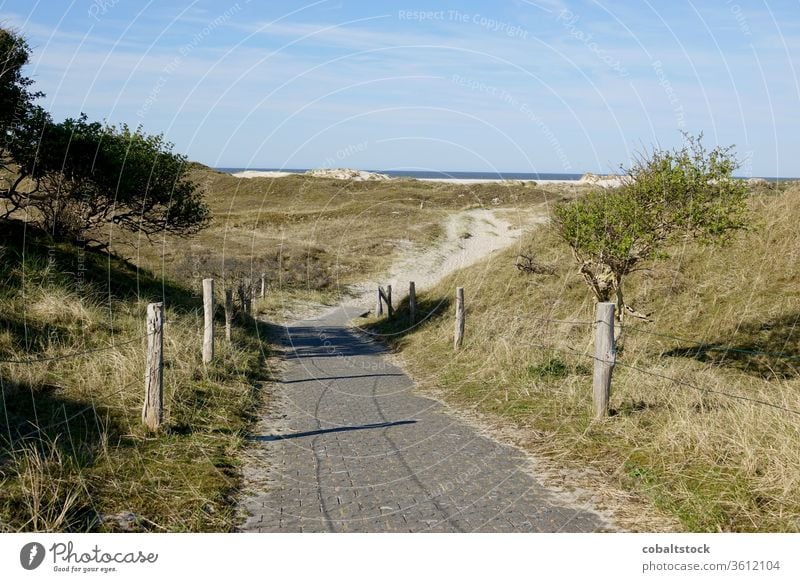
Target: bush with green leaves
[(688, 192), (73, 177), (15, 94)]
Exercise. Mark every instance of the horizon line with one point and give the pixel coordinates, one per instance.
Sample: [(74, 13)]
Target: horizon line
[(447, 172)]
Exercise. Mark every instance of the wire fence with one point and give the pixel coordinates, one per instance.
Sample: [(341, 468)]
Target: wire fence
[(153, 380), (703, 346), (681, 382), (67, 419), (706, 346), (75, 354)]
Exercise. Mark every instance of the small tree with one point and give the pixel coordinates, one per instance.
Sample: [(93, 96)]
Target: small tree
[(89, 174), (21, 121), (15, 95), (75, 176), (687, 192), (85, 174)]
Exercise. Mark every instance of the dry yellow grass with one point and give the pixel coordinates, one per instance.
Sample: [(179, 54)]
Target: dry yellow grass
[(715, 461), (701, 431), (74, 455), (315, 234)]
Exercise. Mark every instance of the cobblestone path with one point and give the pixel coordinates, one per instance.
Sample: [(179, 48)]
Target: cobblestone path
[(348, 446)]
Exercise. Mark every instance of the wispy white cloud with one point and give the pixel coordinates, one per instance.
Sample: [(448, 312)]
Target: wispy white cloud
[(332, 66)]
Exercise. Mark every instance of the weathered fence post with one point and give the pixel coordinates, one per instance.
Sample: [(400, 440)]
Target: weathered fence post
[(244, 295), (412, 303), (240, 293), (228, 313), (248, 295), (263, 285), (379, 304), (153, 409), (208, 320), (604, 358), (389, 308), (459, 335)]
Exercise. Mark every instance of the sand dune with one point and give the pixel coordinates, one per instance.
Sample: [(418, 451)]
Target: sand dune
[(362, 175)]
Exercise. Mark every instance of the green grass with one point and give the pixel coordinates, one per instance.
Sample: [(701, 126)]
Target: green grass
[(74, 455), (713, 462)]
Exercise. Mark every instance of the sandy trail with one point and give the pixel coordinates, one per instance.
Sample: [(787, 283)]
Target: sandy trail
[(470, 236)]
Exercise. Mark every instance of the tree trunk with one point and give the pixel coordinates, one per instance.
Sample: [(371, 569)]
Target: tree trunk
[(620, 312), (600, 286), (622, 307)]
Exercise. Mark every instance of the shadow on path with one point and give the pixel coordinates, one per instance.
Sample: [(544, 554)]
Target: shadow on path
[(318, 379), (327, 342), (297, 435)]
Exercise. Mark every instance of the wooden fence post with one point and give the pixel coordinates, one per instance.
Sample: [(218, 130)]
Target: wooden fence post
[(244, 295), (240, 293), (379, 304), (389, 308), (228, 313), (153, 409), (412, 303), (248, 296), (263, 285), (605, 356), (459, 335), (208, 320)]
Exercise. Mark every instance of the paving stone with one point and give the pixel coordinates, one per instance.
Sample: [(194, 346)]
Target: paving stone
[(349, 446)]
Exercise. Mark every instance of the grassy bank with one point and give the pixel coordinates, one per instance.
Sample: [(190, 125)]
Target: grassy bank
[(705, 398), (74, 455), (315, 235)]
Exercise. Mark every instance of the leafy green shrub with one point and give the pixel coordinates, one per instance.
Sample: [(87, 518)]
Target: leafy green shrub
[(666, 195), (75, 176)]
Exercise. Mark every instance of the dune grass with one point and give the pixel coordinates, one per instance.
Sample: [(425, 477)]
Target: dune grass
[(74, 455), (316, 234), (705, 401), (699, 430)]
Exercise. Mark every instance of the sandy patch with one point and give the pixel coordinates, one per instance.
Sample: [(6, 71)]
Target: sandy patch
[(470, 236), (347, 174), (614, 181), (334, 173), (260, 174), (491, 181)]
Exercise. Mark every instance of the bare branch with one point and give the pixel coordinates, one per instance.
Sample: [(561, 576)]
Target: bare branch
[(527, 264)]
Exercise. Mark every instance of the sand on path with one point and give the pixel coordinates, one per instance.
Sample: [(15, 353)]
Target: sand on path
[(470, 236)]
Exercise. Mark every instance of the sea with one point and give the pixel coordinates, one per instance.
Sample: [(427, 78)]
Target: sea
[(420, 175)]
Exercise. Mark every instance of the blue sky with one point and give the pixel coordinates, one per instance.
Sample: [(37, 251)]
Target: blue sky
[(544, 86)]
